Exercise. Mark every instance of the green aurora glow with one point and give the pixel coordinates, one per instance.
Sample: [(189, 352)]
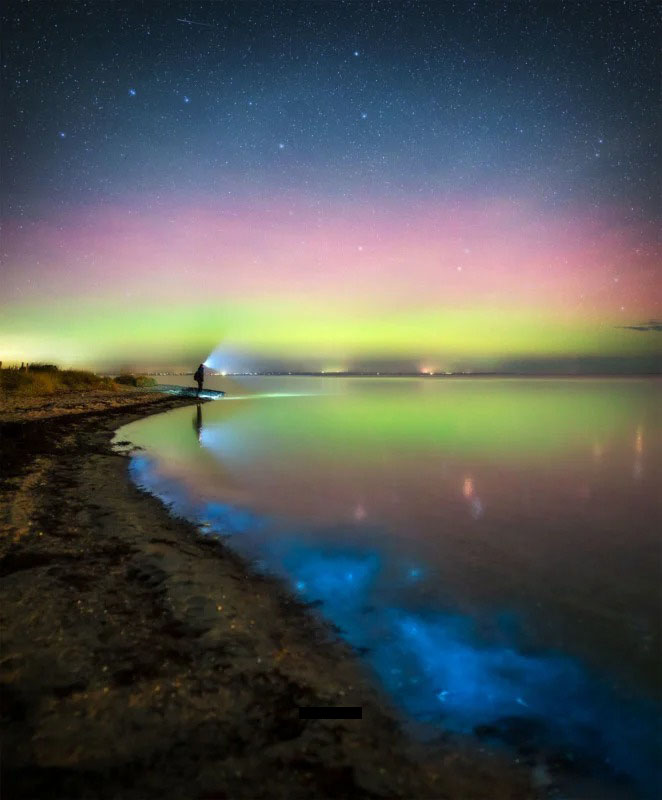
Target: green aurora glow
[(96, 332)]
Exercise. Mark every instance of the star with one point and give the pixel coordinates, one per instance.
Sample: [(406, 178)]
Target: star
[(364, 115), (132, 92), (357, 53), (187, 99), (62, 134), (281, 146)]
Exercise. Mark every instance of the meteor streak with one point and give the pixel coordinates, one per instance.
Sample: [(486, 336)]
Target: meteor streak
[(193, 22)]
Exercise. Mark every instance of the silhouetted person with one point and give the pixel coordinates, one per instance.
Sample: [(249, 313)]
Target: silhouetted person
[(200, 376)]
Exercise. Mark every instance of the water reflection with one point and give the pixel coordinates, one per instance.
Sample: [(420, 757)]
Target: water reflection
[(534, 623), (197, 423), (638, 468), (443, 667), (475, 503)]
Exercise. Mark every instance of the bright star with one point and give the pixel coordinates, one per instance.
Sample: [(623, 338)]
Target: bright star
[(280, 145), (364, 115), (356, 53), (132, 92), (187, 99), (62, 134)]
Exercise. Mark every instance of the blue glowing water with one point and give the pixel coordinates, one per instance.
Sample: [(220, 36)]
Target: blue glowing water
[(459, 641)]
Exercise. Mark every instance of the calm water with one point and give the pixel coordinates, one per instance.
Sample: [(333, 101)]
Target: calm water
[(493, 543)]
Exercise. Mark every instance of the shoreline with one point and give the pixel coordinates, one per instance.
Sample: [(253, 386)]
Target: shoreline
[(141, 659)]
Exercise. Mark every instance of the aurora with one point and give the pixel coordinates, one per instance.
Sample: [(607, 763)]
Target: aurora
[(440, 285), (406, 194)]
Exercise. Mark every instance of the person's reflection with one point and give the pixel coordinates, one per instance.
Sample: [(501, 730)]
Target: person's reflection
[(197, 422)]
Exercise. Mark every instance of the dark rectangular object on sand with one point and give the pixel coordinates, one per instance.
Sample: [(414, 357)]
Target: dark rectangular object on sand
[(330, 712)]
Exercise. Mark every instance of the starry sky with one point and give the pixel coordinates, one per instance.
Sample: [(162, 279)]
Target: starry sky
[(332, 185)]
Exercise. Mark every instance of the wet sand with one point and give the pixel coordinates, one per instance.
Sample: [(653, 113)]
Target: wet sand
[(25, 407), (142, 660)]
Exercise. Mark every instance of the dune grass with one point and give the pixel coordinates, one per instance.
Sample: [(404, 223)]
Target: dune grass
[(47, 379), (43, 379), (141, 381)]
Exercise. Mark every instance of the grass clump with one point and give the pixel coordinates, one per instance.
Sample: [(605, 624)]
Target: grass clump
[(40, 379), (42, 368), (141, 381)]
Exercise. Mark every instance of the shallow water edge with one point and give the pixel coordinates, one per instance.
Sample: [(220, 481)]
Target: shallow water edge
[(140, 660)]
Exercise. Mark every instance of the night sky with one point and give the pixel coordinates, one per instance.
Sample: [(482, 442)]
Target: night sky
[(330, 185)]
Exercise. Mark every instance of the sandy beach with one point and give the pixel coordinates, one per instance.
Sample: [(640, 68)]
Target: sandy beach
[(141, 660)]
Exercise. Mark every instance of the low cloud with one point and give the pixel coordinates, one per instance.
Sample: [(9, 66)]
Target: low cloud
[(651, 325)]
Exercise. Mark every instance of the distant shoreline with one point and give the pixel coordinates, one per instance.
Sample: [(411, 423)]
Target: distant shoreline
[(414, 374)]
